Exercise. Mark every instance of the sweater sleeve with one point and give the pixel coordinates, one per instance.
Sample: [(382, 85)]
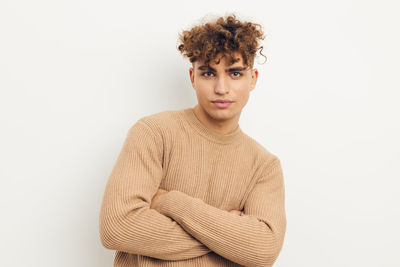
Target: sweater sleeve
[(126, 221), (252, 239)]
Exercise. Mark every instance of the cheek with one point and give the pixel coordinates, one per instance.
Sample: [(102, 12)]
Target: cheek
[(244, 92), (202, 91), (241, 87), (203, 86), (199, 83), (244, 95)]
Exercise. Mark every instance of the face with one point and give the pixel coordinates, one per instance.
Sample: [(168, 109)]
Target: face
[(222, 82)]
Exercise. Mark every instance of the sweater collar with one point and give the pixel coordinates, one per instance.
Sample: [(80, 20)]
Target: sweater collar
[(211, 134)]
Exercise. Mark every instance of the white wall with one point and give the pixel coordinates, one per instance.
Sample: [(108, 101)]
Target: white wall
[(74, 75)]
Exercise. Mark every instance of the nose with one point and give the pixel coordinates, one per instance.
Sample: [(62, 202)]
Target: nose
[(221, 86)]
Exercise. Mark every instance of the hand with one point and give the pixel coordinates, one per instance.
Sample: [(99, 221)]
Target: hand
[(237, 212), (157, 199)]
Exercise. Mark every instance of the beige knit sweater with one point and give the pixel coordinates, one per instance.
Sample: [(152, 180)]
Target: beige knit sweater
[(207, 174)]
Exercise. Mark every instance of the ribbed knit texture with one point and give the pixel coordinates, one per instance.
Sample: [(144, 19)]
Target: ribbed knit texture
[(207, 174)]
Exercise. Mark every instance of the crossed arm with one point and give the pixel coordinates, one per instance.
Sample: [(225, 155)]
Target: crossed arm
[(161, 193), (253, 239), (180, 226)]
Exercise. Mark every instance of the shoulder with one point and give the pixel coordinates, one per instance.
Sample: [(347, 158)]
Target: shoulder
[(152, 130), (160, 123), (263, 158), (264, 153)]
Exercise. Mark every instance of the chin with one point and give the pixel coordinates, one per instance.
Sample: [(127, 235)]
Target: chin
[(222, 114)]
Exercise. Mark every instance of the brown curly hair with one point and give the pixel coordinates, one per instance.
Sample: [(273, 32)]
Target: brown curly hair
[(227, 35)]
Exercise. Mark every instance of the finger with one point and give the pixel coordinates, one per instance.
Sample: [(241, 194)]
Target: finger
[(235, 212)]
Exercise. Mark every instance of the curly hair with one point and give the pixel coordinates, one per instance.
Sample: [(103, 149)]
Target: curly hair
[(227, 35)]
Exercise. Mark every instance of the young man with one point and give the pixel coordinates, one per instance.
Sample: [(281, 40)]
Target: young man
[(189, 187)]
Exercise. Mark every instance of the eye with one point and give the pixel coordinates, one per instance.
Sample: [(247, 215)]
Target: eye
[(236, 74), (207, 74)]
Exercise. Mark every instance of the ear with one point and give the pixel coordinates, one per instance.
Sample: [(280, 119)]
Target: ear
[(254, 77), (191, 74)]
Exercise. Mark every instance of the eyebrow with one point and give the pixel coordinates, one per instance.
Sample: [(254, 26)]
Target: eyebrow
[(205, 67)]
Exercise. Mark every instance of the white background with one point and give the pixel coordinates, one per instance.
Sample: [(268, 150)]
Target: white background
[(75, 75)]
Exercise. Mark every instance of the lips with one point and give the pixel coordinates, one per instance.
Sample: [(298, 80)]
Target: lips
[(222, 101)]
